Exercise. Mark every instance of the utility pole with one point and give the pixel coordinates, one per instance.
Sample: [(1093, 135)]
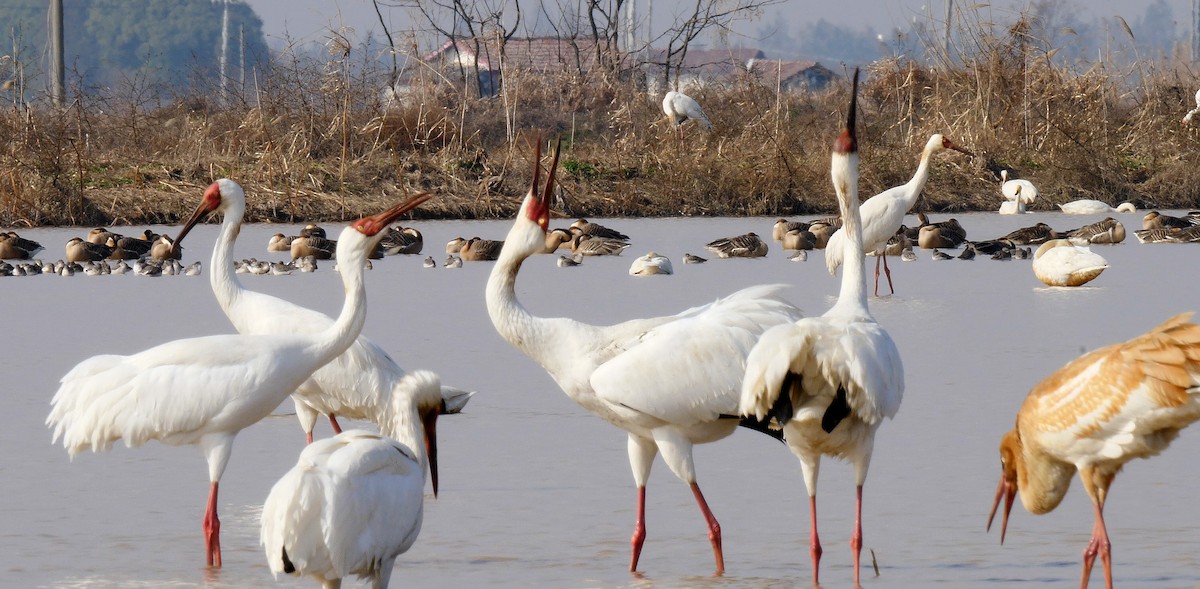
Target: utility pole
[(1195, 30), (57, 94), (224, 73), (949, 16)]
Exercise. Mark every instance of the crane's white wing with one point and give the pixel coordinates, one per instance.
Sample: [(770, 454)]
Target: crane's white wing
[(882, 216), (173, 392), (857, 356), (350, 505), (376, 503), (689, 370)]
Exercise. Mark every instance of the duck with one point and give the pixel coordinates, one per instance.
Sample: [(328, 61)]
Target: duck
[(596, 230), (565, 261), (943, 234), (15, 247), (1059, 262), (127, 248), (402, 240), (453, 262), (79, 250), (556, 239), (693, 259), (478, 249), (799, 256), (748, 245), (823, 229), (968, 252), (799, 239), (782, 226), (101, 235), (940, 255), (280, 243), (597, 246), (164, 249), (650, 264), (313, 244), (1032, 235), (1106, 231), (1088, 206), (1157, 220), (429, 262)]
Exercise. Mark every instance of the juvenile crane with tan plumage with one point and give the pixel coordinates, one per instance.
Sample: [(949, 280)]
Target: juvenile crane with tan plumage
[(1124, 401)]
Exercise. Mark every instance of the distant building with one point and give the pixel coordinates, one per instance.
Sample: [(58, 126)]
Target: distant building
[(542, 55), (792, 75)]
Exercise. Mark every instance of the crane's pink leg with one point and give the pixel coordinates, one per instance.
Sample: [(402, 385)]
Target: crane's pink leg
[(887, 271), (639, 530), (212, 529), (877, 276), (856, 539), (714, 529), (337, 429), (1099, 545), (814, 541)]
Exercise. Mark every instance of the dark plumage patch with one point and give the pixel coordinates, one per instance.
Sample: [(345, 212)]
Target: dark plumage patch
[(838, 410), (762, 426), (782, 410), (288, 567)]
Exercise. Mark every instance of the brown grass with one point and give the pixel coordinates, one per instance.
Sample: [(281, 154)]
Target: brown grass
[(314, 143)]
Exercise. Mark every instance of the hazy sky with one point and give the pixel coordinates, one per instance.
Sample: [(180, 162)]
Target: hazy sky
[(307, 20)]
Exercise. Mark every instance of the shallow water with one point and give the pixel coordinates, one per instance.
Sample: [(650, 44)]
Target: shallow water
[(536, 492)]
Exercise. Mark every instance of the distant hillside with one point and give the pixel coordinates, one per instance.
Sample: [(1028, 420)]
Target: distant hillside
[(147, 43)]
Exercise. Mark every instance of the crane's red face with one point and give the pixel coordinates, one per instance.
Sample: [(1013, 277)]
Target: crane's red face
[(209, 203), (948, 144), (371, 226), (1009, 448)]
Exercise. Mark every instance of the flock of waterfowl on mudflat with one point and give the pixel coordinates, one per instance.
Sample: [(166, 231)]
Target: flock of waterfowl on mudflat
[(823, 385)]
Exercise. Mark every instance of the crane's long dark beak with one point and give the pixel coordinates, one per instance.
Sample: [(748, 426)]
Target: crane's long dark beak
[(208, 204), (430, 422), (1008, 491)]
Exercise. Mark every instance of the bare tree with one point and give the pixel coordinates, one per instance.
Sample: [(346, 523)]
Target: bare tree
[(701, 18), (481, 26)]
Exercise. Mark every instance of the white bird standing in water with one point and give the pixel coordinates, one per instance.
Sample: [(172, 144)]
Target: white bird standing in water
[(1103, 409), (358, 384), (205, 390), (354, 502), (830, 380), (670, 382), (883, 214)]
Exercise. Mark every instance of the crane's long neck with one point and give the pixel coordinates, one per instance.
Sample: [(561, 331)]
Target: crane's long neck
[(853, 292), (512, 321), (917, 183), (351, 262), (1042, 480), (225, 285)]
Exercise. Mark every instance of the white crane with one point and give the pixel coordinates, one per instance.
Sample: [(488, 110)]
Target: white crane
[(830, 380), (1187, 118), (680, 107), (1103, 409), (205, 390), (883, 213), (358, 384), (667, 381), (354, 502)]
